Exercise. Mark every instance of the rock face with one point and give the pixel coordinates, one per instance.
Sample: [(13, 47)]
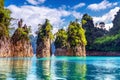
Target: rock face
[(77, 51), (21, 46), (22, 49), (101, 53), (18, 45), (5, 47), (62, 52), (43, 49), (44, 38)]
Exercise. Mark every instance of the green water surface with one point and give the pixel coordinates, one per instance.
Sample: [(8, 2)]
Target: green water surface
[(60, 68)]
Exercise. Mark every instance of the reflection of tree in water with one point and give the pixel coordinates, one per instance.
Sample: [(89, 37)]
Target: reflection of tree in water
[(5, 67), (20, 69), (43, 69), (71, 70), (14, 69)]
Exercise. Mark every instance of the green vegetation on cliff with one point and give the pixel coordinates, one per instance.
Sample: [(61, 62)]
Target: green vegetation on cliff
[(5, 16), (45, 32), (108, 43), (92, 32), (44, 38), (111, 41), (4, 20), (1, 3), (74, 36), (100, 39), (21, 33), (61, 39), (3, 31)]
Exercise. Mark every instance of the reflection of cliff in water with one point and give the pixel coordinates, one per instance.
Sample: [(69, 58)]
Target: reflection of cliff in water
[(43, 69), (16, 69), (71, 70)]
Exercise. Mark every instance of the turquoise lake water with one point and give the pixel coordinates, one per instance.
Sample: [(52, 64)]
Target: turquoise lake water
[(60, 68)]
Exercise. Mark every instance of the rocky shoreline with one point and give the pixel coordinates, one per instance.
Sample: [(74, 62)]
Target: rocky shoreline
[(78, 51), (99, 53), (64, 52)]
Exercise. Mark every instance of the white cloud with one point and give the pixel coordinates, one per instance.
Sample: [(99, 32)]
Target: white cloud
[(76, 14), (35, 2), (33, 15), (108, 26), (79, 5), (107, 18), (101, 6)]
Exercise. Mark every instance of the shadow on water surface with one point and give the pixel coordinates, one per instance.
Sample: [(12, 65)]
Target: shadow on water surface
[(60, 68)]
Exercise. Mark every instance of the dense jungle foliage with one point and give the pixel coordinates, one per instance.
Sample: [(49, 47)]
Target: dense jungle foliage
[(45, 32), (74, 36), (4, 20)]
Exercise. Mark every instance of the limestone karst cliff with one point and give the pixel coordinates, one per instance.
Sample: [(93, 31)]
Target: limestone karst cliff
[(71, 42), (44, 40), (4, 32), (16, 46), (5, 49), (20, 43), (43, 49)]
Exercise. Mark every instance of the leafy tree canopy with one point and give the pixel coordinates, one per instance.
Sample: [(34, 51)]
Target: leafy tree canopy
[(76, 35), (108, 43), (4, 19), (1, 3), (92, 32), (21, 33), (45, 31), (61, 39)]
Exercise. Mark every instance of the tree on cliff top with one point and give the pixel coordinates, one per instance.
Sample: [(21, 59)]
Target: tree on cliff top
[(4, 19), (21, 33), (76, 35), (45, 32), (61, 39), (87, 24), (92, 32), (111, 41), (1, 3)]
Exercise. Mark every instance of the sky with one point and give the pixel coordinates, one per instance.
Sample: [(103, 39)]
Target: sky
[(61, 12)]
